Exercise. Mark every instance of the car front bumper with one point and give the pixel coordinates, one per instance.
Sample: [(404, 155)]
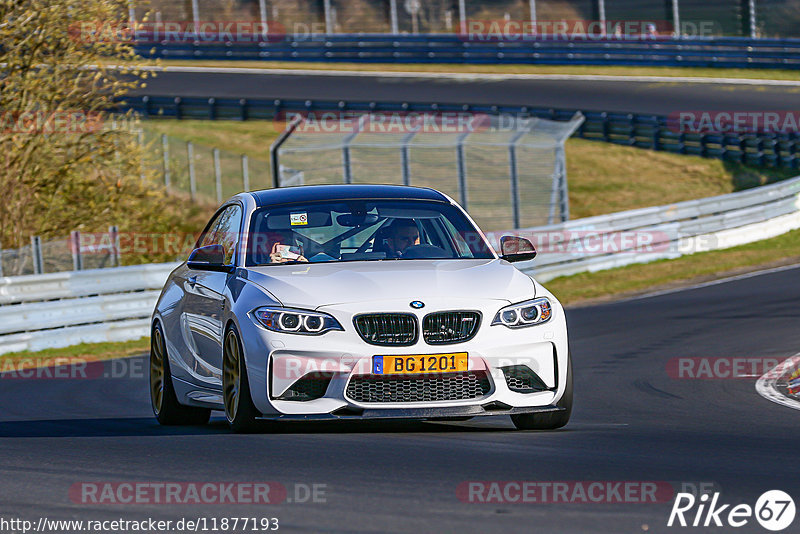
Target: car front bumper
[(276, 361)]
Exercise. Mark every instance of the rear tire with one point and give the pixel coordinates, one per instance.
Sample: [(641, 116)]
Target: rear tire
[(240, 411), (167, 409), (549, 420)]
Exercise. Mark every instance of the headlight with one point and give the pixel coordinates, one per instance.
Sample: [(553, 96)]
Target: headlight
[(292, 321), (528, 313)]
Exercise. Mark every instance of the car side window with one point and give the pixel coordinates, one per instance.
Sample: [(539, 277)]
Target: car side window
[(225, 231)]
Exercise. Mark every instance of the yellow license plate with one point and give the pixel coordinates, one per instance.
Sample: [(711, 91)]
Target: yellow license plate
[(420, 363)]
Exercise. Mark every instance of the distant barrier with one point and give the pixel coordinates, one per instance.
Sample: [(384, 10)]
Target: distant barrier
[(639, 130), (722, 52), (61, 309)]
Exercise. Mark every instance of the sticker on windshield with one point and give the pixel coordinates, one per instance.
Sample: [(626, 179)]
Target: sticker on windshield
[(299, 219)]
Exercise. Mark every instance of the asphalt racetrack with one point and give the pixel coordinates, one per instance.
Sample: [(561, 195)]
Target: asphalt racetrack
[(634, 420), (625, 96)]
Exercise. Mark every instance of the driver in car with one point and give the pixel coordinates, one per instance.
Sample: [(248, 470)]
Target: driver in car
[(280, 243), (401, 234)]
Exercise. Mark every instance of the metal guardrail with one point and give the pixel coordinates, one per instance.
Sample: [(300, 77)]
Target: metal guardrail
[(67, 308), (73, 284), (671, 231), (630, 129), (723, 52), (61, 309)]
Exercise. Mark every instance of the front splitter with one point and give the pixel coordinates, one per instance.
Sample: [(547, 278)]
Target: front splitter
[(455, 412)]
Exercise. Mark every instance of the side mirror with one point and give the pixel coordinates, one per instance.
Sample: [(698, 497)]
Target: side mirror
[(209, 258), (514, 249)]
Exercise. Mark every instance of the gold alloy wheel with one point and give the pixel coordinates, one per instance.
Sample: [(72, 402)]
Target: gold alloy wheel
[(157, 370), (231, 376)]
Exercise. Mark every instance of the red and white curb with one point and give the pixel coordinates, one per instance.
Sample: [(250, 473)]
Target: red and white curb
[(767, 385)]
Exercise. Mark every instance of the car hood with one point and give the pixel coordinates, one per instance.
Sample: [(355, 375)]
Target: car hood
[(321, 284)]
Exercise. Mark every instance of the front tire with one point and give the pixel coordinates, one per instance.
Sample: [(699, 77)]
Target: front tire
[(549, 420), (240, 411), (167, 409)]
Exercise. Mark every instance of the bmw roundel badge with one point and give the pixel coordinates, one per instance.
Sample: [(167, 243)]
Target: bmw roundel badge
[(417, 304)]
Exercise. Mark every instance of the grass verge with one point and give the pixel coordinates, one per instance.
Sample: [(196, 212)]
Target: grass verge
[(85, 352), (697, 72)]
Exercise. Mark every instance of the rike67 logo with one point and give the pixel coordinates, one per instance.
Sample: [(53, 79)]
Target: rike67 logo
[(774, 510)]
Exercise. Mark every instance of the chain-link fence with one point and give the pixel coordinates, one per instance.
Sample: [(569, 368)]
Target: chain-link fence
[(756, 18), (202, 172), (198, 172), (507, 171), (67, 254)]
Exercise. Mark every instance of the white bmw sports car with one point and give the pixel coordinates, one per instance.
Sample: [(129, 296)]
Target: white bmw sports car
[(356, 302)]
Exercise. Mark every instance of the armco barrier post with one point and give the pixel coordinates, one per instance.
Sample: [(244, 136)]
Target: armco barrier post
[(75, 245)]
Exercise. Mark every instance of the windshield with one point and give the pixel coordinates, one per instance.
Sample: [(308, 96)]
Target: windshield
[(362, 230)]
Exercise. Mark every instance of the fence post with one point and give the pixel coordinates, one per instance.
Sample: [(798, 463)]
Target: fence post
[(393, 16), (405, 162), (192, 177), (346, 167), (462, 170), (601, 15), (533, 16), (275, 148), (165, 151), (676, 19), (245, 174), (262, 8), (195, 15), (514, 175), (462, 16), (140, 139), (75, 245), (36, 255), (328, 19), (218, 175), (751, 19), (113, 234), (561, 163)]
